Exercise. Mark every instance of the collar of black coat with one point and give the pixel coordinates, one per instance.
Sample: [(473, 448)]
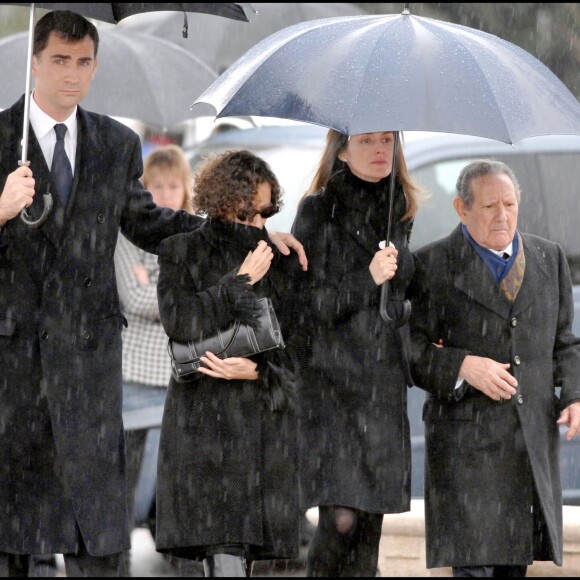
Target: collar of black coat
[(367, 197), (241, 235), (471, 275)]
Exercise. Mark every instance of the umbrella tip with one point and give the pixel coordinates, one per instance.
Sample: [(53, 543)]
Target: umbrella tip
[(185, 25), (407, 9)]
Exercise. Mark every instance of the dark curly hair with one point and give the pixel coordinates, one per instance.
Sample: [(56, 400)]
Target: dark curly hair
[(227, 184)]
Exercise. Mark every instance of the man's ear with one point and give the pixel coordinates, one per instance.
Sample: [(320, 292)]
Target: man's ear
[(459, 206), (95, 68)]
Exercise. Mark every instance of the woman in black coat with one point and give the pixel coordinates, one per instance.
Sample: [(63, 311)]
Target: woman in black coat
[(227, 471), (355, 447)]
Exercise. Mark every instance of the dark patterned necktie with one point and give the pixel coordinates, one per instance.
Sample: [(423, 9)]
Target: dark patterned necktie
[(505, 256), (61, 168)]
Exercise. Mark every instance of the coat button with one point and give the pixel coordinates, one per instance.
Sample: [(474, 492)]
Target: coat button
[(44, 335), (86, 334), (517, 361), (513, 322), (88, 282), (101, 218), (520, 400)]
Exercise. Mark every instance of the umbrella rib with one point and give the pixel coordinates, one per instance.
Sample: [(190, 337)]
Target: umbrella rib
[(474, 61), (367, 72), (256, 57), (394, 73)]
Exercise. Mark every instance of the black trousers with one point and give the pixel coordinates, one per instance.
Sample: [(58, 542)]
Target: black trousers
[(489, 571)]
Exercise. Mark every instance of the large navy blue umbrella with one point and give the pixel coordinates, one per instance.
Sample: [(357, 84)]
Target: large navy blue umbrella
[(360, 74)]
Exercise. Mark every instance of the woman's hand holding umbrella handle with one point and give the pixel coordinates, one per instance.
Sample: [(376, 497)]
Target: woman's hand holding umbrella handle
[(384, 264)]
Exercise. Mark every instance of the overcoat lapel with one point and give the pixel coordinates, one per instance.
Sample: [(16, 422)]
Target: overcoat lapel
[(89, 144), (80, 208), (472, 276), (54, 226), (536, 277)]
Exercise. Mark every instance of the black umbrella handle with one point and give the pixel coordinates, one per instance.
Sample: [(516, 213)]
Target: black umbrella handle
[(403, 315)]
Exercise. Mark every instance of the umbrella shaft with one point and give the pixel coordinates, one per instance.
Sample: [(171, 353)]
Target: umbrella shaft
[(392, 185), (25, 128)]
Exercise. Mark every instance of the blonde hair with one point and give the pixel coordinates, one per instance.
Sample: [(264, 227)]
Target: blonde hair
[(329, 164), (170, 159)]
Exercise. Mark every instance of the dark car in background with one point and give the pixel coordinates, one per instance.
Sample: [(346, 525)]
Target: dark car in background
[(548, 170)]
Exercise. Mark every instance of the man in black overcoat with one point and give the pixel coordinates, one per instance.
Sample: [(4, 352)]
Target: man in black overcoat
[(494, 349), (62, 455)]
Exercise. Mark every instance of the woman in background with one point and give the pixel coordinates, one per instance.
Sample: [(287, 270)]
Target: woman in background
[(146, 364)]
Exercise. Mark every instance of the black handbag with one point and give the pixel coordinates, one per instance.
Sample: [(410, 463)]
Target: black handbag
[(239, 339)]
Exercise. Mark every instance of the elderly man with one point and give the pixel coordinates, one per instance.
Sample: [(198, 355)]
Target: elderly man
[(493, 347)]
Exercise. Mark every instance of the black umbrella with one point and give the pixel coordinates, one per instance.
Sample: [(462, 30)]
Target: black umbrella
[(115, 12), (362, 74), (112, 13)]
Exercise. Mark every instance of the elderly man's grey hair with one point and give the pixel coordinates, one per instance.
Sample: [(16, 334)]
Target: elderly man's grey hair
[(478, 168)]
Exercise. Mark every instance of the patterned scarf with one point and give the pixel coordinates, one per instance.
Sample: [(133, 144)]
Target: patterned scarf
[(512, 281), (508, 273)]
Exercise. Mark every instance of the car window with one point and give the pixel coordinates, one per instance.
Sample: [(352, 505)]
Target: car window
[(436, 216), (561, 183), (548, 208)]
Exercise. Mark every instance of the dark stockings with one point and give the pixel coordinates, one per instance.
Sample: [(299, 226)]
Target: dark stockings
[(346, 543)]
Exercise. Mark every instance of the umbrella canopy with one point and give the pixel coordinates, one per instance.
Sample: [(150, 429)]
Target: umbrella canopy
[(115, 12), (221, 43), (397, 72), (362, 74), (139, 77)]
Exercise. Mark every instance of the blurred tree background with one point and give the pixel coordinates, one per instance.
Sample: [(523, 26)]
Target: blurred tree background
[(548, 31)]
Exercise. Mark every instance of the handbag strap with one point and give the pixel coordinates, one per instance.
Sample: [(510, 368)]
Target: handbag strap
[(231, 341)]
